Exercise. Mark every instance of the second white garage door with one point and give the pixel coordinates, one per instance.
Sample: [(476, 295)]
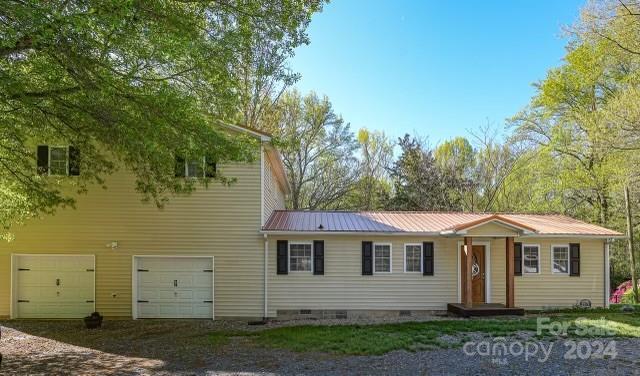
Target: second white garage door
[(174, 287)]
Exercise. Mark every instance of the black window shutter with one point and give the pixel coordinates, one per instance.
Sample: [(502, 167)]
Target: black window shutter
[(43, 159), (283, 260), (574, 259), (517, 258), (179, 168), (318, 257), (74, 161), (427, 258), (367, 258), (210, 167)]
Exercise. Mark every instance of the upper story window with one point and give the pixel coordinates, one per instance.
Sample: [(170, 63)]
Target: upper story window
[(530, 259), (195, 168), (382, 258), (413, 258), (300, 257), (560, 259), (58, 160)]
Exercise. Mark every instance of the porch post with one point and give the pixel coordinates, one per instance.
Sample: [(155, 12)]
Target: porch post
[(468, 249), (509, 277)]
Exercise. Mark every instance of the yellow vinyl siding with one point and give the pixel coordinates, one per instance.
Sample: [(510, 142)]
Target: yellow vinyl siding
[(274, 198), (546, 289), (344, 287), (220, 221)]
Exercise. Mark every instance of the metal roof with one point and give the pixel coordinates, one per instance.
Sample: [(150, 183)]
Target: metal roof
[(425, 222)]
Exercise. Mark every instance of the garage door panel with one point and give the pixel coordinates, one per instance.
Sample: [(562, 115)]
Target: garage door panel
[(174, 264), (174, 287), (43, 310), (37, 293), (54, 286)]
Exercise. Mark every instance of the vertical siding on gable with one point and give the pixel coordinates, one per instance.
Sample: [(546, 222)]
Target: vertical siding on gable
[(274, 198), (219, 220)]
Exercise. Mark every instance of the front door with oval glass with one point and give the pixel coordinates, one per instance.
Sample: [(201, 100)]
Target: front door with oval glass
[(477, 274)]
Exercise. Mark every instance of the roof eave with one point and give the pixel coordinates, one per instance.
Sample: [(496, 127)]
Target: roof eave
[(369, 233), (447, 233)]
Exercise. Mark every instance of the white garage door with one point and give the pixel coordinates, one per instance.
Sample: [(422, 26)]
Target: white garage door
[(174, 287), (54, 286)]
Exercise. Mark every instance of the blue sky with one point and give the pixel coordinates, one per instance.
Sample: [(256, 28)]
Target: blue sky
[(435, 68)]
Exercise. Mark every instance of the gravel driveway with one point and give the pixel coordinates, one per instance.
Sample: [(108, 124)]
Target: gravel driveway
[(183, 348)]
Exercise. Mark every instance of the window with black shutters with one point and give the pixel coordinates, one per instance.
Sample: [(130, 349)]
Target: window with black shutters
[(58, 160), (560, 259), (413, 258)]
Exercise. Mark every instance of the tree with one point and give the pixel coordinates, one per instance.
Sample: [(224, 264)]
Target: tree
[(130, 84), (565, 120), (373, 188), (418, 182), (581, 128), (317, 149)]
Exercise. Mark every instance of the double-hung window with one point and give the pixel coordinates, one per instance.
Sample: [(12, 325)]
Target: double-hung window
[(413, 258), (202, 167), (560, 259), (58, 160), (195, 168), (382, 258), (530, 259), (300, 257)]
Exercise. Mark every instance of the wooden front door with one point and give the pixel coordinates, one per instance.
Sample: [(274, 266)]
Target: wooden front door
[(477, 274)]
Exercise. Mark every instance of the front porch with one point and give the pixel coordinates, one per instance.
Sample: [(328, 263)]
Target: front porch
[(474, 276)]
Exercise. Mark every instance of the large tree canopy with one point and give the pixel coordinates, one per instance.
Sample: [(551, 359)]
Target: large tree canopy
[(317, 150), (130, 83)]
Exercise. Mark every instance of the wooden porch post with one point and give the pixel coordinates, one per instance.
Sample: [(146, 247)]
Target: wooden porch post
[(468, 263), (509, 277)]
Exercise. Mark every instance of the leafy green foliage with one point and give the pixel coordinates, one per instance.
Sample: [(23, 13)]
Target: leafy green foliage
[(318, 150), (418, 182), (130, 83)]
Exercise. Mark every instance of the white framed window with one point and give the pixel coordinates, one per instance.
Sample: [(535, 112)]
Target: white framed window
[(194, 168), (560, 259), (59, 160), (530, 259), (300, 257), (413, 258), (382, 258)]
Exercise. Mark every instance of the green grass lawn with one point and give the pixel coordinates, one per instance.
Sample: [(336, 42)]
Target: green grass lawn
[(415, 336)]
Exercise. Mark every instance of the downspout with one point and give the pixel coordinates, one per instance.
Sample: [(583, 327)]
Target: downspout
[(607, 271), (266, 270)]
